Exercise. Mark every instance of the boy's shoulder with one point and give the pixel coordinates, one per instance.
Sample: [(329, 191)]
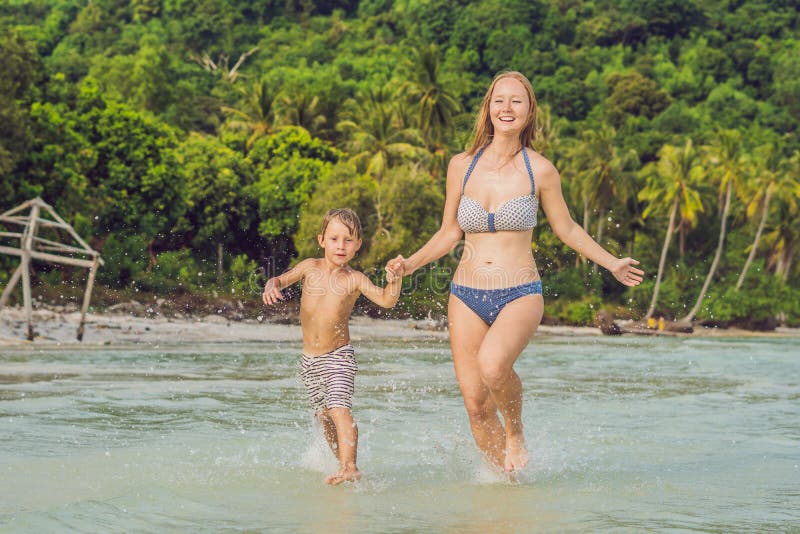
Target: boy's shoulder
[(309, 263)]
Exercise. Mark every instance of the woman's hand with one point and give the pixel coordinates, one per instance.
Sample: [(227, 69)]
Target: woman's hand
[(395, 268), (624, 271)]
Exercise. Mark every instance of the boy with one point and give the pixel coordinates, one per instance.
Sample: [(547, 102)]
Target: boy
[(330, 289)]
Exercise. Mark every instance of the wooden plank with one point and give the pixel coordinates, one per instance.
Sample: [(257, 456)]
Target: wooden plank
[(44, 256), (72, 232), (21, 207), (87, 296), (41, 222), (10, 287)]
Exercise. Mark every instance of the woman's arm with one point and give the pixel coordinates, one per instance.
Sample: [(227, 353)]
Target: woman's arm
[(567, 230), (272, 289), (449, 233)]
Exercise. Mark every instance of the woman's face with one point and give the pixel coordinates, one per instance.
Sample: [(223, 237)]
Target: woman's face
[(509, 107)]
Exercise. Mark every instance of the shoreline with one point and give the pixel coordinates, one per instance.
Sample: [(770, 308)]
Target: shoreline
[(54, 328)]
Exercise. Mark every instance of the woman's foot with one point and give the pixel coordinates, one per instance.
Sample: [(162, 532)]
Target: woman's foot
[(349, 475), (516, 453)]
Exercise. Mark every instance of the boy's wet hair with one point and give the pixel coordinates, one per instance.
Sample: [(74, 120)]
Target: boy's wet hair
[(347, 217)]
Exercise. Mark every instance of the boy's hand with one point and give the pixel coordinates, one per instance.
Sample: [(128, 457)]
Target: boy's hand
[(272, 293)]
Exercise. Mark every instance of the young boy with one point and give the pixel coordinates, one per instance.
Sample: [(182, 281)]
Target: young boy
[(330, 289)]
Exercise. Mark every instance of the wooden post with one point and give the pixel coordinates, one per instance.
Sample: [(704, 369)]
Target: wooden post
[(87, 295), (27, 245), (10, 287)]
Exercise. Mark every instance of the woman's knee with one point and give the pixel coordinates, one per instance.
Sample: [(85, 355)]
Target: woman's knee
[(479, 410), (495, 375)]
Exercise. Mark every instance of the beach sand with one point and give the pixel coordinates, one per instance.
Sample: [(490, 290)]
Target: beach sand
[(55, 328)]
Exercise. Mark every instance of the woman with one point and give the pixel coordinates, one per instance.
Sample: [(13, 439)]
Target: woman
[(493, 193)]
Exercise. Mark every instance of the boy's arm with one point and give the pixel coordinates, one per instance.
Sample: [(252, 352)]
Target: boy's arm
[(386, 297), (272, 289)]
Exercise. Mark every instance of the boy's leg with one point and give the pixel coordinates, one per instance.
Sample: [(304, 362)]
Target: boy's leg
[(347, 439), (329, 430)]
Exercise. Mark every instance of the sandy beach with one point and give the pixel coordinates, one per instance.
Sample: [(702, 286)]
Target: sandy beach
[(54, 327)]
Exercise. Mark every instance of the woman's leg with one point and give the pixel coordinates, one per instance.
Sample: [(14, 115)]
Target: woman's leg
[(467, 332), (501, 346)]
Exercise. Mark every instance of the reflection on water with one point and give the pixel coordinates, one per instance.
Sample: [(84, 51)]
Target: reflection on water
[(626, 434)]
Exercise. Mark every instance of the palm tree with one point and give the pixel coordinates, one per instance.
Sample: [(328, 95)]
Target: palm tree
[(547, 139), (435, 104), (301, 109), (603, 173), (256, 113), (771, 177), (377, 138), (671, 187), (784, 235), (725, 155)]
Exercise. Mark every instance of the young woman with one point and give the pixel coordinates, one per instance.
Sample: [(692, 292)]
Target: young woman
[(493, 194)]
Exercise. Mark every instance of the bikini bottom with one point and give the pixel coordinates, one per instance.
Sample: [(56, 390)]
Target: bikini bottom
[(488, 303)]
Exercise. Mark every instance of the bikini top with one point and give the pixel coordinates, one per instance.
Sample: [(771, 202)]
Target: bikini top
[(516, 214)]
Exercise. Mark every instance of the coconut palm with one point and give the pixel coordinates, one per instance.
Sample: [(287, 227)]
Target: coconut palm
[(728, 165), (672, 188), (603, 173), (436, 106), (255, 114), (771, 177), (783, 236), (376, 137), (301, 109)]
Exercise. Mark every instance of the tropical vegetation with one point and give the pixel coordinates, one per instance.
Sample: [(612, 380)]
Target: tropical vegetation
[(196, 143)]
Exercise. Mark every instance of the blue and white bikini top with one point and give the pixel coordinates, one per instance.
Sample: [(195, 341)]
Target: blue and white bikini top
[(516, 214)]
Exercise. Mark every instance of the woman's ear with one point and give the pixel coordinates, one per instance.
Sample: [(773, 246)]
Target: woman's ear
[(321, 240)]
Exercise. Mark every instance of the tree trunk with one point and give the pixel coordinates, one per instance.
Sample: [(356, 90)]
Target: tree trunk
[(687, 319), (756, 240), (662, 261), (219, 264)]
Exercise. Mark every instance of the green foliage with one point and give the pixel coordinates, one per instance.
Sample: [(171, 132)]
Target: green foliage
[(243, 279), (175, 272), (125, 255), (756, 305), (168, 131)]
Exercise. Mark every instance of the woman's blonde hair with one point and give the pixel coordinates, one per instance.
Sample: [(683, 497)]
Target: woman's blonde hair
[(484, 130), (347, 217)]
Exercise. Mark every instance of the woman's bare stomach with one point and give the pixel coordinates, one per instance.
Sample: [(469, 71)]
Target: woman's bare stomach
[(494, 261)]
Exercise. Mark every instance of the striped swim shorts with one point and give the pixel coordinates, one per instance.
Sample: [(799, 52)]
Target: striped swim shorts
[(330, 378)]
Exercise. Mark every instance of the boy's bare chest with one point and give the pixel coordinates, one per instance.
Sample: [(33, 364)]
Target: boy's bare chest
[(336, 289)]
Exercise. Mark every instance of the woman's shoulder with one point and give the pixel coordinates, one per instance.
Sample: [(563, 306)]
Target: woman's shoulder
[(543, 168), (459, 162)]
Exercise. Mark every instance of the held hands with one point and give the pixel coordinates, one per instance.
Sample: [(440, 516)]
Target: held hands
[(623, 270), (395, 269), (272, 292)]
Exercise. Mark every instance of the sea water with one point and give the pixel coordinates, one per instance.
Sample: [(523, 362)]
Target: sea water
[(625, 434)]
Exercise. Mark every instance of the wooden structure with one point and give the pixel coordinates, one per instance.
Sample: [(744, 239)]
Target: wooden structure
[(30, 216)]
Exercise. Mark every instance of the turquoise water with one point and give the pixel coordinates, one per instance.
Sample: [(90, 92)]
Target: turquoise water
[(626, 434)]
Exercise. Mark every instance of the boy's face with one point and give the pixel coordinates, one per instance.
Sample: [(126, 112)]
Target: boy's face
[(338, 243)]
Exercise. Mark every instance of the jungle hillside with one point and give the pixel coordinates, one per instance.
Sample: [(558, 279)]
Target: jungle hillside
[(197, 143)]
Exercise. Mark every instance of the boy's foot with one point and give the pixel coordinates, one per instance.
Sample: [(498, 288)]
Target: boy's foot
[(343, 476), (516, 453)]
